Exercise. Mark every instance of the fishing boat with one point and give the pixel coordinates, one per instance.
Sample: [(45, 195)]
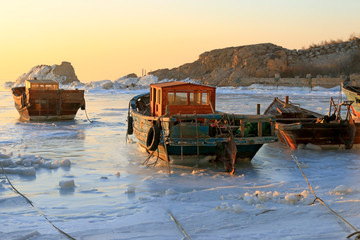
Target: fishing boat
[(42, 100), (352, 94), (296, 125), (180, 119)]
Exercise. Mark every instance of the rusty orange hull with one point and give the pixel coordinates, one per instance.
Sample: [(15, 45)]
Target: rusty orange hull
[(47, 105)]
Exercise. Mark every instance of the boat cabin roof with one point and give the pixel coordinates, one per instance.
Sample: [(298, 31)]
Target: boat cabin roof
[(177, 85), (181, 97), (45, 84)]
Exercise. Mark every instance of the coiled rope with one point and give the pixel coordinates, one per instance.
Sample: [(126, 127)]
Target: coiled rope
[(357, 232), (32, 204)]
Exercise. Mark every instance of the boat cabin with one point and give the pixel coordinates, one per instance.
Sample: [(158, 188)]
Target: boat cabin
[(180, 97), (36, 84)]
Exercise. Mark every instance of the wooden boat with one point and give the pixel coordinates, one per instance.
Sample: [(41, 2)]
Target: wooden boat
[(42, 100), (179, 119), (296, 125), (352, 94)]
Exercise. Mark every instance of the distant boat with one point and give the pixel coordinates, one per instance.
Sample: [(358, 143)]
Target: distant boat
[(179, 119), (42, 100), (296, 125)]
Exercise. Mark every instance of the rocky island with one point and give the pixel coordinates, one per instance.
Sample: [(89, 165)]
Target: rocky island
[(63, 73), (321, 65)]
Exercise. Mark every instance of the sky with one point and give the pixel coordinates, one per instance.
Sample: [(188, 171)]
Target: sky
[(107, 39)]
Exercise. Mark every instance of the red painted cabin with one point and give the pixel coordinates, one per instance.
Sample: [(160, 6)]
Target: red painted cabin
[(180, 97)]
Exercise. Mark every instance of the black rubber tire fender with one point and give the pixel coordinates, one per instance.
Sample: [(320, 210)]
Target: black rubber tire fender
[(153, 138), (130, 129)]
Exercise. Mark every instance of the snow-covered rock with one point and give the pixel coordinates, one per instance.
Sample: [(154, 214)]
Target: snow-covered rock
[(63, 73)]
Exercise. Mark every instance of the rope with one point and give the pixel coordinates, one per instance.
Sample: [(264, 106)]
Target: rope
[(32, 204), (148, 158), (87, 116), (316, 197), (178, 224)]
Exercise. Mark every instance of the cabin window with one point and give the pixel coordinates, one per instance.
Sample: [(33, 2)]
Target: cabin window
[(158, 96), (199, 98), (180, 98), (177, 98), (204, 98), (195, 98), (171, 98)]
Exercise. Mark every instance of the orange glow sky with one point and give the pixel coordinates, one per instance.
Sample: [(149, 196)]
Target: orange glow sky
[(107, 39)]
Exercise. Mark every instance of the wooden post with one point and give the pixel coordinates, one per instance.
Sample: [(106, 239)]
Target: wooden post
[(258, 109), (242, 128), (197, 140), (181, 139), (287, 99), (260, 124)]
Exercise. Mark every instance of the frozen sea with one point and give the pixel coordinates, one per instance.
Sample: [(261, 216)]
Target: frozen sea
[(89, 182)]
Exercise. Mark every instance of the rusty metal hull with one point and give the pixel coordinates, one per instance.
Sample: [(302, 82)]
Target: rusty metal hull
[(47, 105)]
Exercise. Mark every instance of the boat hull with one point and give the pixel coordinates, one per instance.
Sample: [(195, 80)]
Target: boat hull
[(296, 126), (182, 136), (48, 105), (353, 94), (326, 135)]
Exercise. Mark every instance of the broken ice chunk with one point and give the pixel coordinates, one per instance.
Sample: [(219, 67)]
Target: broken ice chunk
[(67, 183)]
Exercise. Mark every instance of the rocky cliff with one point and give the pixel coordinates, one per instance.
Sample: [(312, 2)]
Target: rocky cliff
[(235, 65), (63, 73)]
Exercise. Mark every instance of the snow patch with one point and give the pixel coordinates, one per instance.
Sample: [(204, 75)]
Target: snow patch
[(341, 190), (313, 147), (236, 208), (258, 198)]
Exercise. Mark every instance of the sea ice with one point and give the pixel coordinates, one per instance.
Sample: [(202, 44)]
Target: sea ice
[(313, 147), (67, 183), (170, 191), (7, 163), (25, 171), (341, 190), (293, 198), (65, 163), (4, 156), (130, 190)]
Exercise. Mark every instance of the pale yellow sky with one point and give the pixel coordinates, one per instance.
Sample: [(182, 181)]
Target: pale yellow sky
[(107, 39)]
